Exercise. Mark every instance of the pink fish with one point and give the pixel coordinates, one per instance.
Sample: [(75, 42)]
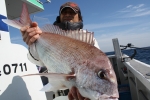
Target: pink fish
[(72, 60)]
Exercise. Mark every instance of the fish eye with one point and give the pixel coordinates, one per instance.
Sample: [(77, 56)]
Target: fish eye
[(101, 74)]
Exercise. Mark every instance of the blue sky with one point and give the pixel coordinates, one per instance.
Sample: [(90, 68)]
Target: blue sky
[(127, 20)]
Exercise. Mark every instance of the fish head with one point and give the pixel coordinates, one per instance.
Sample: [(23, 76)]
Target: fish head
[(96, 79)]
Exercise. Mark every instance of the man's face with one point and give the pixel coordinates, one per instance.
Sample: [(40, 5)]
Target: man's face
[(67, 14)]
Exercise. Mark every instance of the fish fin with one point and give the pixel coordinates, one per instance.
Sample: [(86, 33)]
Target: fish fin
[(53, 86), (56, 80), (24, 19), (84, 36), (54, 76)]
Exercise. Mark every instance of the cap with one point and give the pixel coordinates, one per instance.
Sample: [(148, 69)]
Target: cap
[(72, 5)]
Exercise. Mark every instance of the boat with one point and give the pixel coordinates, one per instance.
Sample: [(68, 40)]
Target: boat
[(133, 75)]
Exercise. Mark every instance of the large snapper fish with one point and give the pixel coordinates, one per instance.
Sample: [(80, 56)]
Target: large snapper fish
[(72, 60)]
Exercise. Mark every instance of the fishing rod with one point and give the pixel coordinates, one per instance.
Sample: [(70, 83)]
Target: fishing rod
[(47, 1), (129, 45), (133, 55)]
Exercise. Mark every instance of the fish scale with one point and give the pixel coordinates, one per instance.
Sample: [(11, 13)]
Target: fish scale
[(62, 49)]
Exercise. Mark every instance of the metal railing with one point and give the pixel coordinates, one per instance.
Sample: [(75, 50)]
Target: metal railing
[(136, 74)]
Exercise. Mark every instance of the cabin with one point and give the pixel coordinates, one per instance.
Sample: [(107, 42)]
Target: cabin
[(133, 76)]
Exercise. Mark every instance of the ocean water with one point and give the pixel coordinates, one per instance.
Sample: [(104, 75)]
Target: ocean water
[(142, 55)]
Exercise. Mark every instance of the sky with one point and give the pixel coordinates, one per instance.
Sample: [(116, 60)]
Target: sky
[(127, 20)]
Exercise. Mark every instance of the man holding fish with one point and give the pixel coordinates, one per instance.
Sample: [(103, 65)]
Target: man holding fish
[(70, 54), (70, 19)]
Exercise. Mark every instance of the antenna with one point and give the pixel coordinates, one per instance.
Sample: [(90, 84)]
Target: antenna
[(47, 1)]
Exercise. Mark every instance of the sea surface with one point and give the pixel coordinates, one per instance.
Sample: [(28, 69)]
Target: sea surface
[(143, 54)]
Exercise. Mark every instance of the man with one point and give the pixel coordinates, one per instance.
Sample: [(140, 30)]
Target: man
[(69, 19)]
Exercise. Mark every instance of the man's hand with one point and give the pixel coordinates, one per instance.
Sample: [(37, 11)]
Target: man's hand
[(75, 95), (30, 33)]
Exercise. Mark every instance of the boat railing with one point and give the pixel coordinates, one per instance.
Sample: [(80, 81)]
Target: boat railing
[(131, 72)]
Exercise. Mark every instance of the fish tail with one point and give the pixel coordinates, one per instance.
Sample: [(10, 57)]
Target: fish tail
[(24, 19)]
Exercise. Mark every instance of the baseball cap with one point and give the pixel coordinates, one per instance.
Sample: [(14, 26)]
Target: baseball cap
[(71, 5)]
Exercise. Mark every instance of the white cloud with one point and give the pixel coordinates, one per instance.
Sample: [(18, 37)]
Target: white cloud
[(41, 20), (138, 40), (16, 38), (49, 15), (140, 10), (141, 5), (144, 13), (133, 11), (129, 6), (108, 24), (138, 6), (138, 34)]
